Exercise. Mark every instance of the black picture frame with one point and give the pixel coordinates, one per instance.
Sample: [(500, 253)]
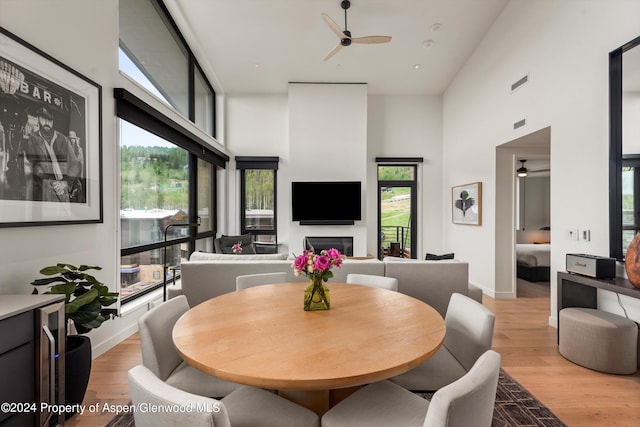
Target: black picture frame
[(50, 139)]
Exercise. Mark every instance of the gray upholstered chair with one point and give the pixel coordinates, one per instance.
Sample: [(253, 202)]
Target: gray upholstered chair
[(251, 280), (469, 334), (246, 406), (383, 282), (162, 358), (469, 401)]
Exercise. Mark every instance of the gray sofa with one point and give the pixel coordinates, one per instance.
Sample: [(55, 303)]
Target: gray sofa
[(430, 281)]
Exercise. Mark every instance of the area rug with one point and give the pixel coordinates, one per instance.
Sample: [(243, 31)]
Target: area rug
[(514, 407)]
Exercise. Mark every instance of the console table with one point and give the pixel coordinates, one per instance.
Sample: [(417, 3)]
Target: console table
[(575, 290)]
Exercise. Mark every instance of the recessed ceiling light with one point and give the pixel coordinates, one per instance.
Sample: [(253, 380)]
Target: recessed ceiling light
[(416, 66), (436, 27), (256, 65), (427, 44)]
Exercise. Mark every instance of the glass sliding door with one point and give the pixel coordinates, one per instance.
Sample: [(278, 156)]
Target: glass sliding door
[(397, 208)]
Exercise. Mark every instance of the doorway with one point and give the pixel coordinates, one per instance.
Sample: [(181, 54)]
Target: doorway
[(516, 224), (397, 207)]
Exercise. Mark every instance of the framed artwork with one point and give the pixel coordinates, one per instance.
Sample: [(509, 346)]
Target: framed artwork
[(467, 204), (50, 139)]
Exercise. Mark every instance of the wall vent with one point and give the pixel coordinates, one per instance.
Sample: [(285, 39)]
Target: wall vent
[(520, 82), (519, 124)]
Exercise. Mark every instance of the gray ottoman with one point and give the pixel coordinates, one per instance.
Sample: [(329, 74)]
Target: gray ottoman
[(599, 340)]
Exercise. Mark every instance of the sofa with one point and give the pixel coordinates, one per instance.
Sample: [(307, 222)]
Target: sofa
[(207, 276)]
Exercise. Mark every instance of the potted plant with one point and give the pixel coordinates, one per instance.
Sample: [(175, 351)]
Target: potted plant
[(85, 302)]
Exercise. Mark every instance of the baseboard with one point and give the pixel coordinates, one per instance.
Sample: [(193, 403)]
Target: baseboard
[(553, 321), (106, 345), (504, 295)]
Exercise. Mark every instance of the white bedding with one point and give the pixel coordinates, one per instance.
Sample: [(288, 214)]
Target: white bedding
[(533, 255)]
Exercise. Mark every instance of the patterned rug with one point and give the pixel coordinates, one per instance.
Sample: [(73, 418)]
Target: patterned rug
[(514, 407)]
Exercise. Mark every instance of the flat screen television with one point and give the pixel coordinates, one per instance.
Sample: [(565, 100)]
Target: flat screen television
[(326, 202)]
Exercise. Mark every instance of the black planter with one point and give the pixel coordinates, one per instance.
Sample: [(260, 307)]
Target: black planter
[(77, 368)]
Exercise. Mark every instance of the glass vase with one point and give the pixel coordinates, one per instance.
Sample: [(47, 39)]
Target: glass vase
[(316, 295)]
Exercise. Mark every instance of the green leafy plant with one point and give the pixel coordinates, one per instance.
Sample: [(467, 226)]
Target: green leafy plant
[(85, 296)]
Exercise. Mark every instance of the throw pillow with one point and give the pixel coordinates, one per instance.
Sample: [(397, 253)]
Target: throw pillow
[(246, 240), (433, 257), (229, 241), (246, 250)]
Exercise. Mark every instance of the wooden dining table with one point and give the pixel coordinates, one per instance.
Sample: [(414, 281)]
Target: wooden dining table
[(262, 337)]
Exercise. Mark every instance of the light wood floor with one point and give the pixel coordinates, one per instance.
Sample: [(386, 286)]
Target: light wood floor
[(578, 396)]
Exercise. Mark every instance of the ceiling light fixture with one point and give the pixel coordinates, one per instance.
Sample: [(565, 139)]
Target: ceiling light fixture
[(522, 171), (427, 44), (436, 27), (416, 66)]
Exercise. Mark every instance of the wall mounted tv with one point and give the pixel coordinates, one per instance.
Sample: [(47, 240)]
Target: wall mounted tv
[(326, 202)]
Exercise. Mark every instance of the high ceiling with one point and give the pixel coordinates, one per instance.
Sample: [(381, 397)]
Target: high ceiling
[(258, 46)]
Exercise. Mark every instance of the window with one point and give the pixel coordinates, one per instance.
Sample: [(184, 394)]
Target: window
[(167, 181), (258, 200), (152, 45), (155, 55), (154, 184), (167, 172), (204, 103)]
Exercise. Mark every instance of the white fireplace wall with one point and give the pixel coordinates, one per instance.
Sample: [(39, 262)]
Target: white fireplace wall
[(328, 142)]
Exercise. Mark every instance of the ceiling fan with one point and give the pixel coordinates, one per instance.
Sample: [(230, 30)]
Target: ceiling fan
[(345, 35), (522, 171)]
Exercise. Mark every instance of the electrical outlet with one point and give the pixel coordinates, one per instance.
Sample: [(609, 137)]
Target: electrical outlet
[(572, 234), (586, 235)]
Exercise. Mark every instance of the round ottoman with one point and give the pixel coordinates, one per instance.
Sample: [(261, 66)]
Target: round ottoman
[(598, 340)]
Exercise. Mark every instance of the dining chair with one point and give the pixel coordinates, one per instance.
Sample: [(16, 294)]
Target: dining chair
[(161, 357), (383, 282), (469, 327), (251, 280), (469, 401), (245, 406)]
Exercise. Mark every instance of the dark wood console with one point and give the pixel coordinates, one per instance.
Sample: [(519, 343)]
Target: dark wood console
[(575, 290)]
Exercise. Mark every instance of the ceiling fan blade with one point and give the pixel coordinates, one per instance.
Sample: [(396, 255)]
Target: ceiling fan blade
[(371, 39), (539, 170), (333, 52), (334, 27)]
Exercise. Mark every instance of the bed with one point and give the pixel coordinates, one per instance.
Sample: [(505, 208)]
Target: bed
[(533, 261)]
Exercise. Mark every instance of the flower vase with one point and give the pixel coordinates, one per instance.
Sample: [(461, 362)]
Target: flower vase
[(316, 295)]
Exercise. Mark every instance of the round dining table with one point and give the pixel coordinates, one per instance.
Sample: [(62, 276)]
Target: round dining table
[(262, 337)]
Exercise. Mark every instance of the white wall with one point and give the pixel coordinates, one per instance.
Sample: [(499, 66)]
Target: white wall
[(564, 48), (397, 126), (409, 126), (328, 142), (83, 34), (258, 125)]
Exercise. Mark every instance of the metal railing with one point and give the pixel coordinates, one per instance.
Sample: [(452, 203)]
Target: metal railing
[(395, 240)]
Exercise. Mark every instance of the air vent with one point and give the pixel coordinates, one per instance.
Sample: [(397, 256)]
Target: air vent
[(519, 124), (519, 83)]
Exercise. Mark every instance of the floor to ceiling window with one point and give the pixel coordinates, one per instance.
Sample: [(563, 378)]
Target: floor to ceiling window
[(167, 173)]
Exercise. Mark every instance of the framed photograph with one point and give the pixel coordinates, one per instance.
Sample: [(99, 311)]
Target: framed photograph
[(50, 139), (467, 204)]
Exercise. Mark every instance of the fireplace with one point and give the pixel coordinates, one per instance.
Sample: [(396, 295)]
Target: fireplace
[(344, 244)]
